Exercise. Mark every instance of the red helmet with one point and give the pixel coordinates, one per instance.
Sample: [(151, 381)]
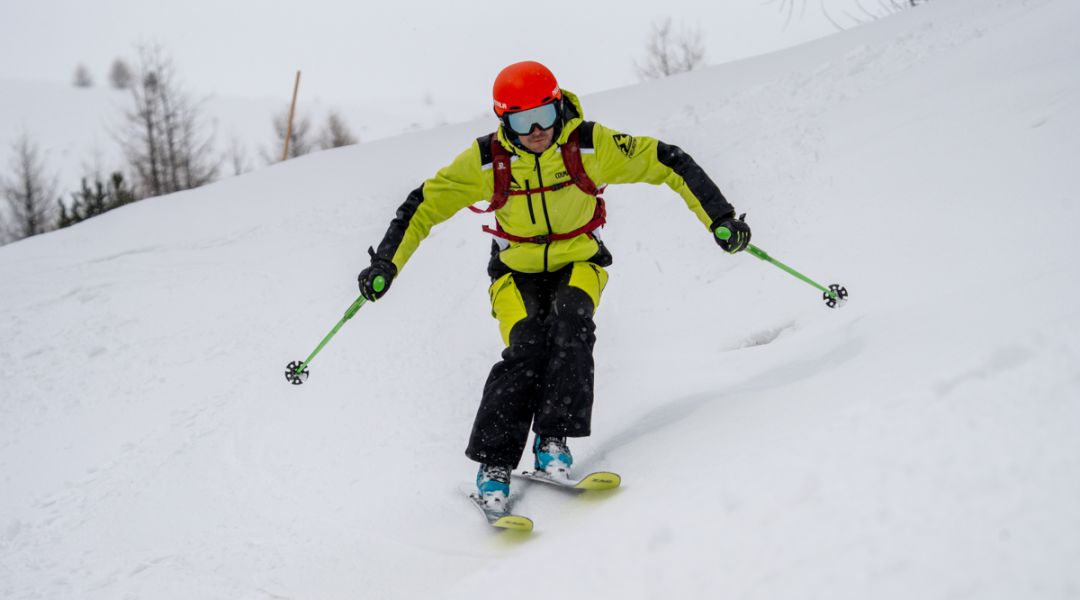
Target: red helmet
[(522, 86)]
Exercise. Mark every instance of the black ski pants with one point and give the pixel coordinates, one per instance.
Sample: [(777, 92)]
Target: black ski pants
[(545, 377)]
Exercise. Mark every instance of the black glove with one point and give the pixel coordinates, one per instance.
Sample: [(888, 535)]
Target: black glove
[(740, 233), (380, 267)]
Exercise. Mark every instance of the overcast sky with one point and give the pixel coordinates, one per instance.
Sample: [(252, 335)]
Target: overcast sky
[(358, 52)]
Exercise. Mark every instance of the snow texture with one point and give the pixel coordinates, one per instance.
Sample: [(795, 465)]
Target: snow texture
[(920, 442)]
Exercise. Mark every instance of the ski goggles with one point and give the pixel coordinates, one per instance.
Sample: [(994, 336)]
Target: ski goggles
[(522, 122)]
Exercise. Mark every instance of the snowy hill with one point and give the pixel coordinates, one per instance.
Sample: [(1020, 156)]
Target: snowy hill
[(921, 442)]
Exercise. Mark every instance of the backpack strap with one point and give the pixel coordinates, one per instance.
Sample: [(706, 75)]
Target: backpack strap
[(598, 221), (571, 155), (500, 169)]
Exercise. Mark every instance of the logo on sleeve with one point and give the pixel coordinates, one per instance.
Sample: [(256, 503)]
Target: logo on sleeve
[(626, 143)]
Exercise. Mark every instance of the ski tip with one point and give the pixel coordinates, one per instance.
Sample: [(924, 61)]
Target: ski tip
[(601, 480), (514, 523)]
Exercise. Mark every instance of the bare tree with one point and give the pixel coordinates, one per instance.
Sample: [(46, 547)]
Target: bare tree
[(237, 157), (31, 194), (336, 133), (668, 53), (857, 13), (120, 75), (82, 77), (163, 139), (299, 142)]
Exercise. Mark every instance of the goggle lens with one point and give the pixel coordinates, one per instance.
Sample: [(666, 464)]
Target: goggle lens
[(522, 122)]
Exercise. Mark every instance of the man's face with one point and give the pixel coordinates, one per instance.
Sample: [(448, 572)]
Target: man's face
[(538, 121), (539, 140)]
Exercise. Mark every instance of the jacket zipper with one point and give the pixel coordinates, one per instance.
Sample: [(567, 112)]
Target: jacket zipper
[(543, 204), (532, 215)]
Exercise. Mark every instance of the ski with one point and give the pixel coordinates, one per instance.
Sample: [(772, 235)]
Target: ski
[(599, 480), (502, 519)]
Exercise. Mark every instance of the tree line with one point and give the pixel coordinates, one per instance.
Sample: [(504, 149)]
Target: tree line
[(166, 144), (167, 148)]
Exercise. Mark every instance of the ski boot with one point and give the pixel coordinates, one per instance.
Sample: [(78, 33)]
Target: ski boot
[(493, 486), (553, 457)]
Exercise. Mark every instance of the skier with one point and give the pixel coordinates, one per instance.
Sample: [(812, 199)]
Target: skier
[(543, 169)]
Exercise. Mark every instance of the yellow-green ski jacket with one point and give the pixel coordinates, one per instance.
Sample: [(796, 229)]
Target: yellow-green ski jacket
[(609, 157)]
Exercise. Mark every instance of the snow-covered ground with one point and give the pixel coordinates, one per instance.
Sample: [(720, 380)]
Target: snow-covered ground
[(921, 442)]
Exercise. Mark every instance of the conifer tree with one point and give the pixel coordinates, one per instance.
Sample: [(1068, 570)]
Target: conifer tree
[(92, 201), (29, 193), (82, 77), (165, 143), (120, 76)]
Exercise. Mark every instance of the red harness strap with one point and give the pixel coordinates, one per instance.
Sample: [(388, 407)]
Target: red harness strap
[(598, 220), (571, 155)]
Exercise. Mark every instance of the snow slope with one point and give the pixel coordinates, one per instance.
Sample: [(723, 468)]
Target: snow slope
[(919, 443)]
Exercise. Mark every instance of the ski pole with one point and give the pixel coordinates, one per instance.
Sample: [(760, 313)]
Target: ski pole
[(835, 295), (296, 372)]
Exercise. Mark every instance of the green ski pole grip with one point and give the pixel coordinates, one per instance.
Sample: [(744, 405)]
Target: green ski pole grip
[(379, 284), (724, 233)]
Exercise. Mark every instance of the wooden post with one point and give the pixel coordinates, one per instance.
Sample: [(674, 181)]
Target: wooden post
[(292, 111)]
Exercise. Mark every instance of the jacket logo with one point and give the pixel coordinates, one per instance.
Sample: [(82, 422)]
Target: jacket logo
[(626, 143), (561, 174)]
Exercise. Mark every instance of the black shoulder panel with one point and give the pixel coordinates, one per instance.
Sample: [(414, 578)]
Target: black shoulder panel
[(585, 135), (484, 142)]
